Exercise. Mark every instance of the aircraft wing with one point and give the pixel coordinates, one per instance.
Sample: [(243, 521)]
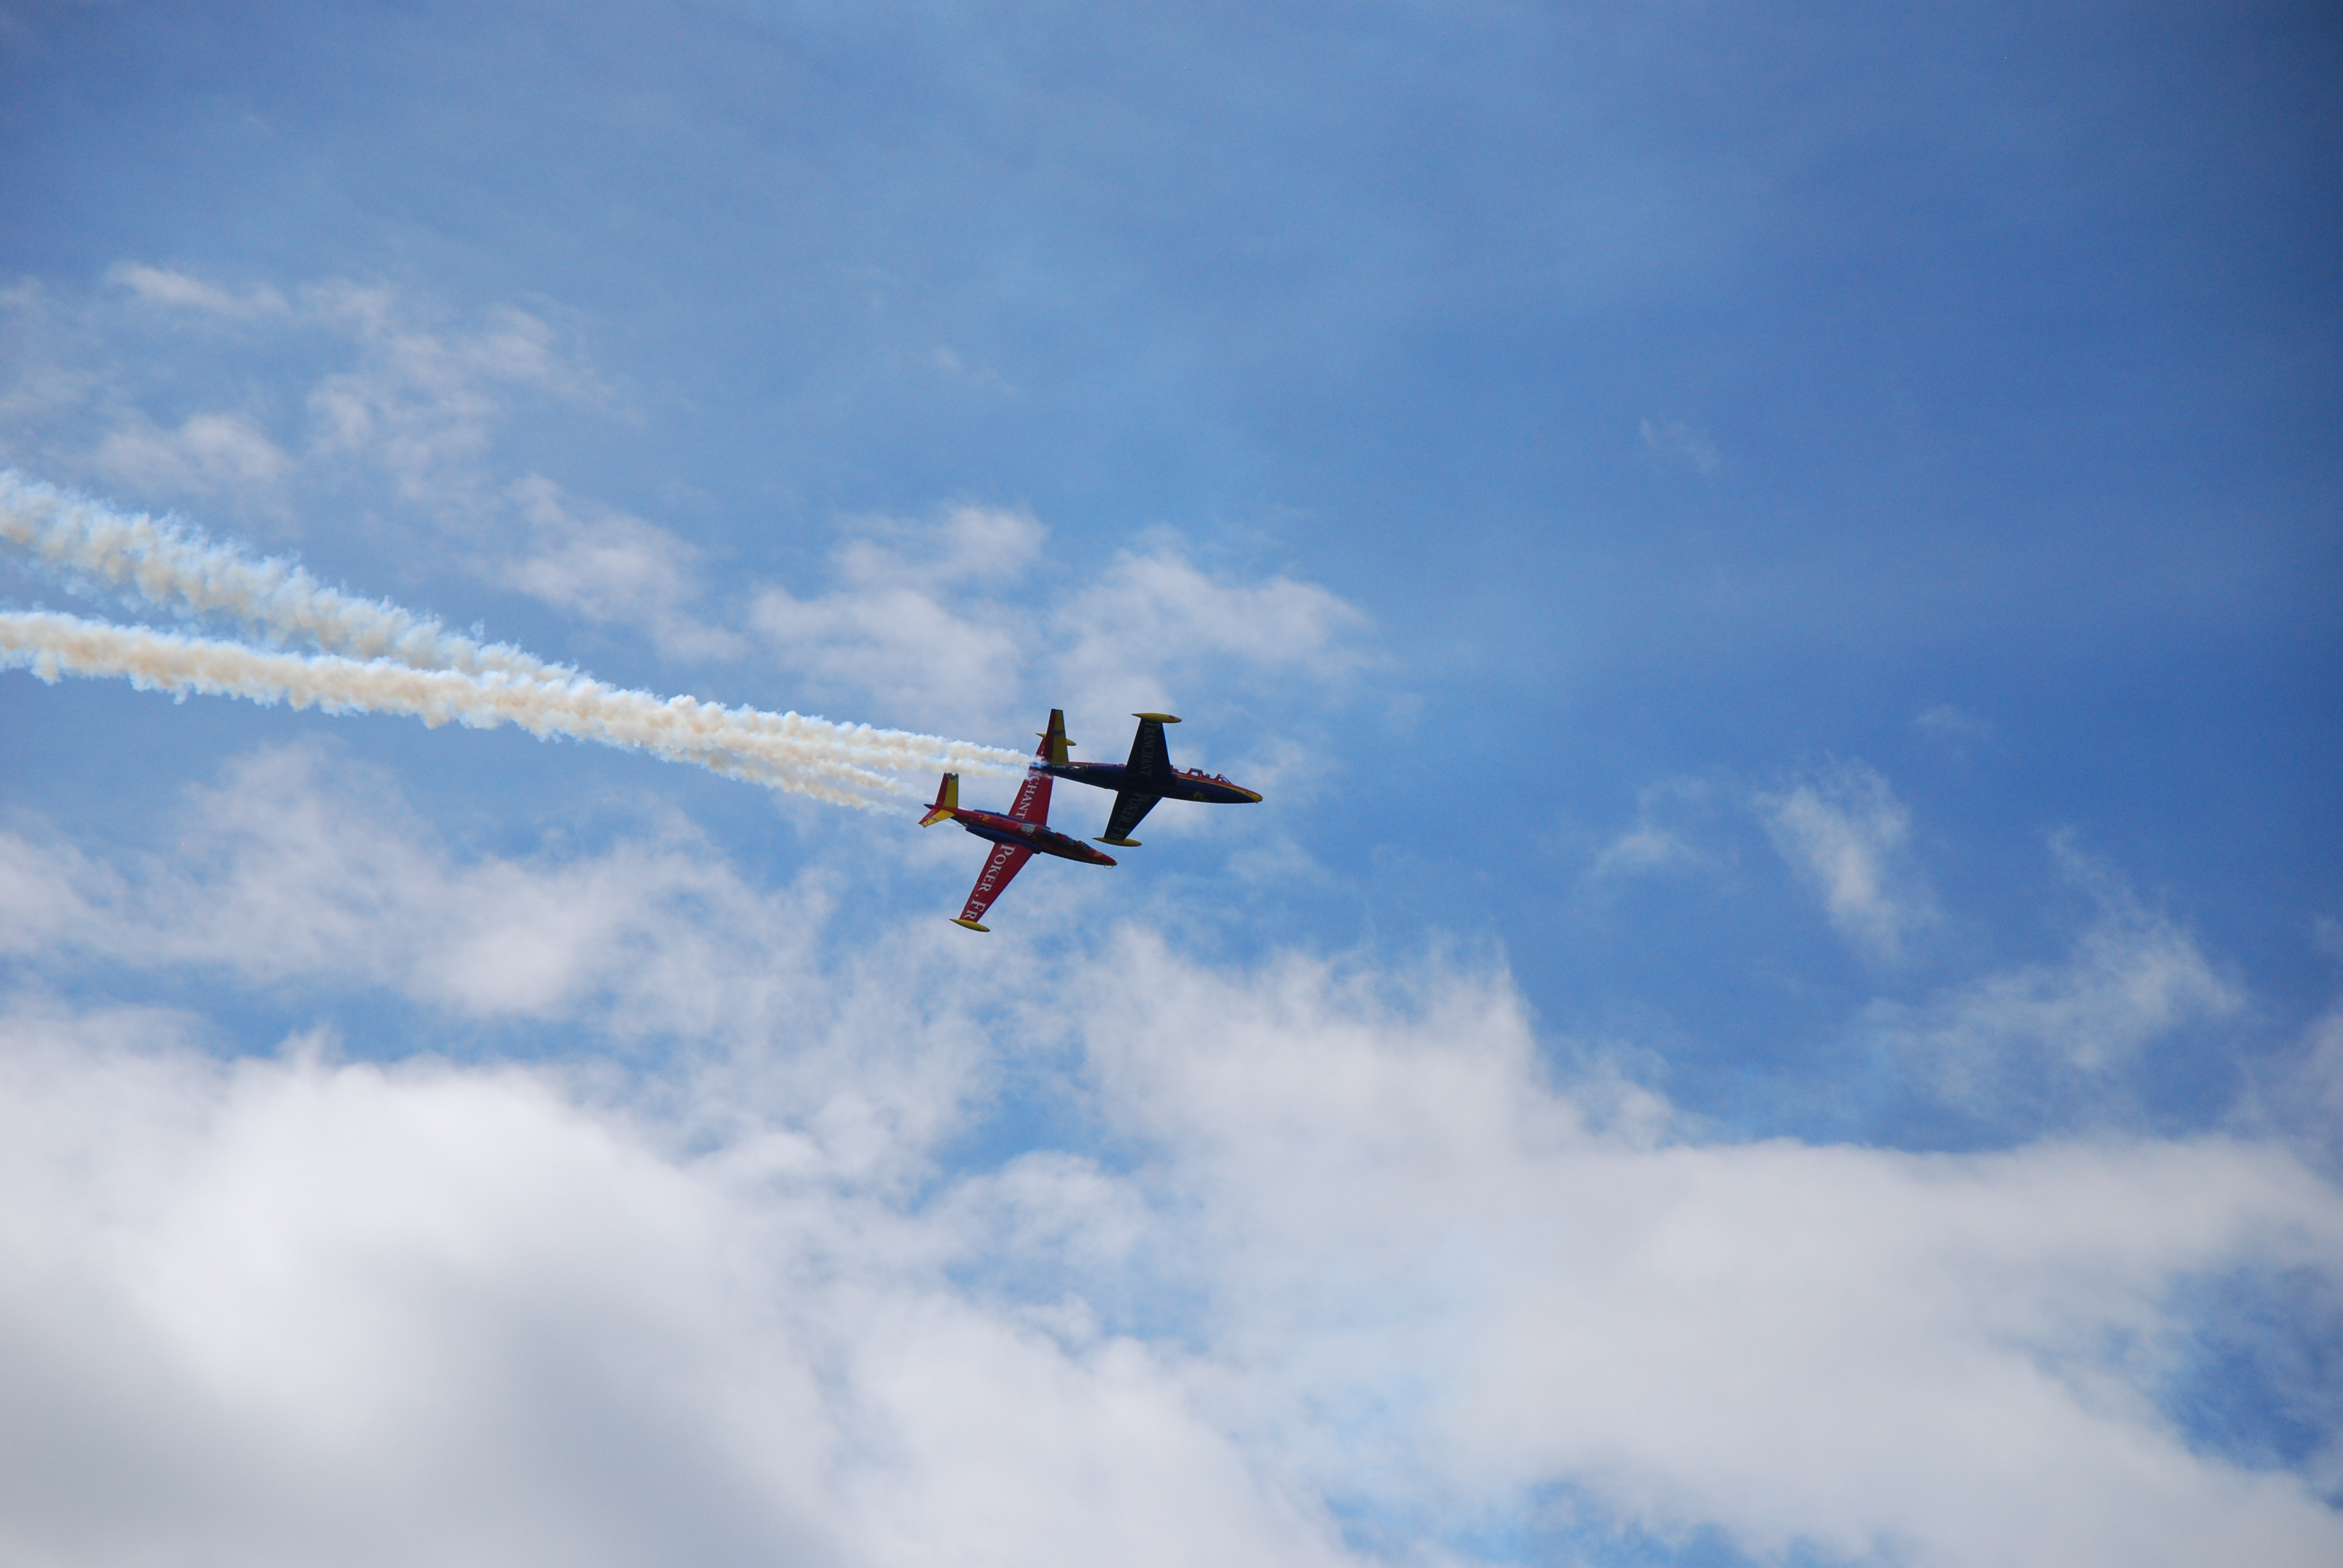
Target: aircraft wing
[(1130, 809), (1033, 802), (1003, 864), (1150, 757)]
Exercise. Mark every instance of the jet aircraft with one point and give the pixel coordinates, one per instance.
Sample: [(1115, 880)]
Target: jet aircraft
[(1018, 835), (1137, 784)]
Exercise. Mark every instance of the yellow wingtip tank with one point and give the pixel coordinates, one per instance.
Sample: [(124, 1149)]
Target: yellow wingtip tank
[(947, 801), (1158, 717), (1120, 843), (971, 925)]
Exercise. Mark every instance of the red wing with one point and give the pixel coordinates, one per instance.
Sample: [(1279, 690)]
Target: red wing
[(1033, 804), (1005, 861)]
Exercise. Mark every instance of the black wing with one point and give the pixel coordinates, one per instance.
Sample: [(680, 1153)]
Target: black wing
[(1130, 809), (1150, 757)]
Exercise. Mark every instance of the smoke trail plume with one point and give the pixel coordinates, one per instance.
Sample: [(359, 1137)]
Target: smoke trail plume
[(377, 658), (173, 567), (830, 762)]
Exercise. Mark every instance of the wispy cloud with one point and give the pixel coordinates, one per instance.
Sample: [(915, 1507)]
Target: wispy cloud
[(1846, 835), (400, 390), (207, 455), (943, 620), (1952, 730), (611, 568), (423, 402), (959, 615), (399, 394), (1677, 443), (947, 360), (2299, 1095), (2132, 977), (2305, 1098), (1944, 720), (1151, 621), (914, 620), (1666, 836), (177, 290)]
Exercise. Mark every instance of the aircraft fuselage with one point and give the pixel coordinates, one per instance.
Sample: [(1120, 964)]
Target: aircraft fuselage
[(1032, 836), (1179, 784)]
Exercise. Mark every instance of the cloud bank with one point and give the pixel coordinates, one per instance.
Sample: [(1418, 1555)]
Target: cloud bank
[(1321, 1264)]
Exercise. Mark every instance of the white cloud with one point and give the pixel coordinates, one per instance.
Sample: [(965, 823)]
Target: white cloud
[(948, 623), (424, 1312), (1845, 833), (2301, 1097), (423, 403), (2132, 977), (1410, 1229), (954, 624), (963, 545), (335, 1313), (1153, 623), (947, 360), (1359, 1246), (1641, 848), (208, 455), (910, 627), (405, 390), (293, 1312), (1674, 442), (1658, 842), (292, 867), (2310, 1102), (177, 289), (615, 569), (1949, 727)]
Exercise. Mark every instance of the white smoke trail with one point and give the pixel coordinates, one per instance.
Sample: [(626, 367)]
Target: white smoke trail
[(783, 751), (367, 643), (173, 567)]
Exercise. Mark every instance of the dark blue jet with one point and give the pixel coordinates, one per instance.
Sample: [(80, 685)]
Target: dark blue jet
[(1137, 784)]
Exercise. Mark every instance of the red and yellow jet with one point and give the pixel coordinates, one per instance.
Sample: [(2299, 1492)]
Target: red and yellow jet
[(1017, 837)]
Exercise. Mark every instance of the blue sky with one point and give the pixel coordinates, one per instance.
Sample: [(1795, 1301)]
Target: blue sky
[(1777, 570)]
